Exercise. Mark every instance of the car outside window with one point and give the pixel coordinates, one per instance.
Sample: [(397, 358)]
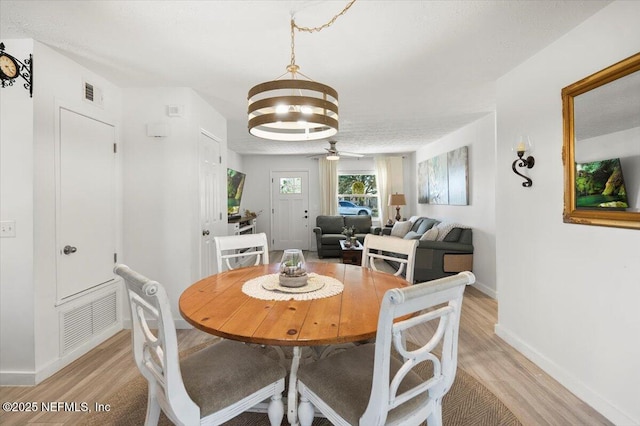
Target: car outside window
[(357, 194)]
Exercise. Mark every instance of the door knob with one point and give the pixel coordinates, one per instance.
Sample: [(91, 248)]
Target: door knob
[(69, 250), (205, 232)]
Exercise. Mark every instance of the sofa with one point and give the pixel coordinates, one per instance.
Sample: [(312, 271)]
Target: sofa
[(329, 229), (444, 248)]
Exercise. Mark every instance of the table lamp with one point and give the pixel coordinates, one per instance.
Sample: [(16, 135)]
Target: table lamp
[(397, 200)]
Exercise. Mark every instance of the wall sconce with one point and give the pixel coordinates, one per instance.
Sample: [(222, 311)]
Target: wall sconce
[(397, 200), (523, 144)]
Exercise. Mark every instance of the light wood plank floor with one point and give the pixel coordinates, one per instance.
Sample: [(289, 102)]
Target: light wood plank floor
[(533, 396)]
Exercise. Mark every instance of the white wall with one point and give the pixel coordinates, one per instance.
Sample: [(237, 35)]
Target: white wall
[(161, 201), (410, 170), (257, 187), (57, 81), (568, 294), (234, 161), (365, 164), (17, 339), (161, 193), (480, 213), (29, 316)]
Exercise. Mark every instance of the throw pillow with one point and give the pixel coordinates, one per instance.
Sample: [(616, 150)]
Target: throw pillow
[(430, 235), (445, 227), (411, 235), (425, 225), (416, 225), (400, 229), (453, 235)]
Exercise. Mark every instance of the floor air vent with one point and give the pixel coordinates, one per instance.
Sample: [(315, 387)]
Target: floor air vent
[(81, 323)]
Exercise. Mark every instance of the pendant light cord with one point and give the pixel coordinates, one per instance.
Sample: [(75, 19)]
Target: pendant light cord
[(293, 68)]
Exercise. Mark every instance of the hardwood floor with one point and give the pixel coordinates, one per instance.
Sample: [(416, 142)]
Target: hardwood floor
[(533, 396)]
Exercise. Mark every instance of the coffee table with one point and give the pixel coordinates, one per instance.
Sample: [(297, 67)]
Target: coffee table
[(351, 255)]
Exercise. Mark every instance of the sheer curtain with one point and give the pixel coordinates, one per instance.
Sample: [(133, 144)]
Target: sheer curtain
[(390, 180), (328, 171)]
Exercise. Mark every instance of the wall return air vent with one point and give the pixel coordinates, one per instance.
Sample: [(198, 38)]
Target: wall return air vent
[(93, 94), (80, 324)]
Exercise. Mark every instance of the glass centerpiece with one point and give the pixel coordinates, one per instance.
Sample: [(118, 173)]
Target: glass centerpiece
[(293, 272)]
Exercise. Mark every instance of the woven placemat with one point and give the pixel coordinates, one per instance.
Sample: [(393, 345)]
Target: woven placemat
[(259, 288)]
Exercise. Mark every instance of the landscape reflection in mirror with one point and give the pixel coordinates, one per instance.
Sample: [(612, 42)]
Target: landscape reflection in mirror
[(600, 185)]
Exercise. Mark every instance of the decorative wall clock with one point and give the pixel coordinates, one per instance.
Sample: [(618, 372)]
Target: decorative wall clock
[(12, 68)]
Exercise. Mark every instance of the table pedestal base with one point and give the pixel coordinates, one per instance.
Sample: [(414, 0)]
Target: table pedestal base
[(292, 397)]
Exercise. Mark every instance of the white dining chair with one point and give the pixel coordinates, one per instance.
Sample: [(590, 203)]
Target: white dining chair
[(210, 386), (370, 384), (377, 247), (234, 251)]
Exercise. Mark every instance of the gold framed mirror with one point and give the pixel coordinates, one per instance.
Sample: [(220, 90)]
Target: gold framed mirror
[(601, 149)]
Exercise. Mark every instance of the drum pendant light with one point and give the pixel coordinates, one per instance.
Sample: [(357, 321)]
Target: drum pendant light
[(294, 109)]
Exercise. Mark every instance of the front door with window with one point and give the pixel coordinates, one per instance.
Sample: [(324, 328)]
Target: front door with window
[(290, 210)]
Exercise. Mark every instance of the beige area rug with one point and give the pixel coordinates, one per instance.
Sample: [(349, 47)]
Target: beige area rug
[(467, 403)]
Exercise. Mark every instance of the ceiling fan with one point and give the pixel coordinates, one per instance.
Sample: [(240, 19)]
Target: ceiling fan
[(333, 153)]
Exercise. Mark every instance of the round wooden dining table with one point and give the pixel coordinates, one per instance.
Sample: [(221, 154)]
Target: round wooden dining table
[(217, 305)]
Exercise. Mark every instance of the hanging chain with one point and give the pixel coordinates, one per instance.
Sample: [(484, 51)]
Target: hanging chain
[(293, 68), (328, 24)]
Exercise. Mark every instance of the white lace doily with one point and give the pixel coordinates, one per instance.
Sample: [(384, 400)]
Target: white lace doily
[(328, 286)]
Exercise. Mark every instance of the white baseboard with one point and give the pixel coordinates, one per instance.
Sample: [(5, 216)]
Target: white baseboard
[(59, 363), (566, 379), (32, 378), (17, 378), (486, 290)]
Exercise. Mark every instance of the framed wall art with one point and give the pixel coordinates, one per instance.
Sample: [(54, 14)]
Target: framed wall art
[(444, 179)]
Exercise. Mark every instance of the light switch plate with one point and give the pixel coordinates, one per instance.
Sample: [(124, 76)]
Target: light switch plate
[(8, 229)]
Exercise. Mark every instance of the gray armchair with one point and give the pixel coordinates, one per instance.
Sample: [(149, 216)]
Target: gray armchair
[(329, 229)]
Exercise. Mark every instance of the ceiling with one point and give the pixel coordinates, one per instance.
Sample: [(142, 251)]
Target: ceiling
[(407, 72)]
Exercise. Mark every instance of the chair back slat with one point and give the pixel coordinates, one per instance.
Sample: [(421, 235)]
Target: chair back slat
[(439, 300), (376, 247), (235, 251), (156, 355), (208, 372)]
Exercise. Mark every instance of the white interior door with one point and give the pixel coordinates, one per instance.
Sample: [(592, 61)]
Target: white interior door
[(290, 210), (86, 239), (210, 212)]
